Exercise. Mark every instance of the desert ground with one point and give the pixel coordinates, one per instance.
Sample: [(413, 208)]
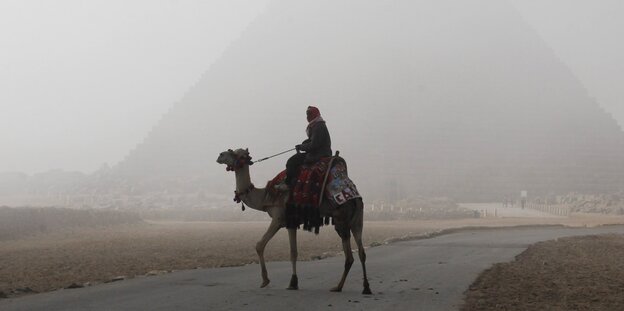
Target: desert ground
[(85, 256), (576, 273)]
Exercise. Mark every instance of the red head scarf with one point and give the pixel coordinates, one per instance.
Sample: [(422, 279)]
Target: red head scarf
[(312, 113)]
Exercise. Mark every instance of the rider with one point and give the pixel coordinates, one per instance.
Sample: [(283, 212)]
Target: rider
[(317, 146)]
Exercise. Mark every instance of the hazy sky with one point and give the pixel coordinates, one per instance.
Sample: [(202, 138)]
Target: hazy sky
[(587, 36), (82, 82)]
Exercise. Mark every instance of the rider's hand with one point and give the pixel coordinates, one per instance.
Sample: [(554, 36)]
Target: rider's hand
[(298, 148)]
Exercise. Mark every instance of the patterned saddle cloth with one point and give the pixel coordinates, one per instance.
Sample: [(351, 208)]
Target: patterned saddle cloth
[(308, 188), (308, 192)]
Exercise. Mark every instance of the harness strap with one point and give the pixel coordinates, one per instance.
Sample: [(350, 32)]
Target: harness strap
[(237, 195)]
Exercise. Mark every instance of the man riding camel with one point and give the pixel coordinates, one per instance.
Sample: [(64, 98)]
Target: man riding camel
[(317, 146)]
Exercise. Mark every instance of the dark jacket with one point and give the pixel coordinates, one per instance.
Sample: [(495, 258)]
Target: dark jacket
[(318, 144)]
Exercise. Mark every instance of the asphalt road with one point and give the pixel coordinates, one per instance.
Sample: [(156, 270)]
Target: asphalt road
[(429, 274), (497, 209)]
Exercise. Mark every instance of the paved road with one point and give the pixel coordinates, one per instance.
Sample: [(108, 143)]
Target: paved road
[(497, 209), (429, 274)]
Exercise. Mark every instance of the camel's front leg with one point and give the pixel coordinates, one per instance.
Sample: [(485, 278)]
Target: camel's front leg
[(346, 247), (292, 237), (273, 228)]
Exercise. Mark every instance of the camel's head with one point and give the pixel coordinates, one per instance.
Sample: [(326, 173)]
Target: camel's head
[(235, 159)]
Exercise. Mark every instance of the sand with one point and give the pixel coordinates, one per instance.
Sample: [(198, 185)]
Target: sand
[(577, 273)]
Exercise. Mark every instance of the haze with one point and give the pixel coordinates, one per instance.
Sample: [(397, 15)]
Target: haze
[(82, 83), (482, 138)]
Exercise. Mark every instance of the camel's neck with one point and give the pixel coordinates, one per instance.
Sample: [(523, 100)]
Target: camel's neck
[(254, 198), (243, 179)]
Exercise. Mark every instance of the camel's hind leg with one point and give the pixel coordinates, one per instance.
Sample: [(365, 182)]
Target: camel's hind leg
[(357, 236), (346, 247), (357, 225), (292, 237), (273, 228)]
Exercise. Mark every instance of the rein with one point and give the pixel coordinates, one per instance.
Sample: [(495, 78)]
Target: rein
[(275, 155)]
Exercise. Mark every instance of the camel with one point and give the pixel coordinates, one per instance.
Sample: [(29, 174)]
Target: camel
[(348, 218)]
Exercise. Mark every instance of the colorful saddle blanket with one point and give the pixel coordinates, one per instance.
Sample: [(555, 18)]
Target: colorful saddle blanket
[(307, 191), (339, 187), (308, 188), (307, 194)]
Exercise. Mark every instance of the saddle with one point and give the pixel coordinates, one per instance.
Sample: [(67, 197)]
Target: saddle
[(324, 181)]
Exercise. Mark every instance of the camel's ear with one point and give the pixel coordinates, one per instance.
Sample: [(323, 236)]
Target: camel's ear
[(247, 150)]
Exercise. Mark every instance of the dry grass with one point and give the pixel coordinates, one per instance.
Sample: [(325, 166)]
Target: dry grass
[(578, 273)]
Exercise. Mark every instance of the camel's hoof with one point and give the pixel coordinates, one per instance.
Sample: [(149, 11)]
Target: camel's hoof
[(367, 291), (265, 283), (294, 283), (336, 289)]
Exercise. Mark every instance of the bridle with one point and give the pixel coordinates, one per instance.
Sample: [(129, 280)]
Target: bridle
[(239, 162)]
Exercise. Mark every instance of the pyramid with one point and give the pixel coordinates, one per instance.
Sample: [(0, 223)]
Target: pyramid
[(433, 98)]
